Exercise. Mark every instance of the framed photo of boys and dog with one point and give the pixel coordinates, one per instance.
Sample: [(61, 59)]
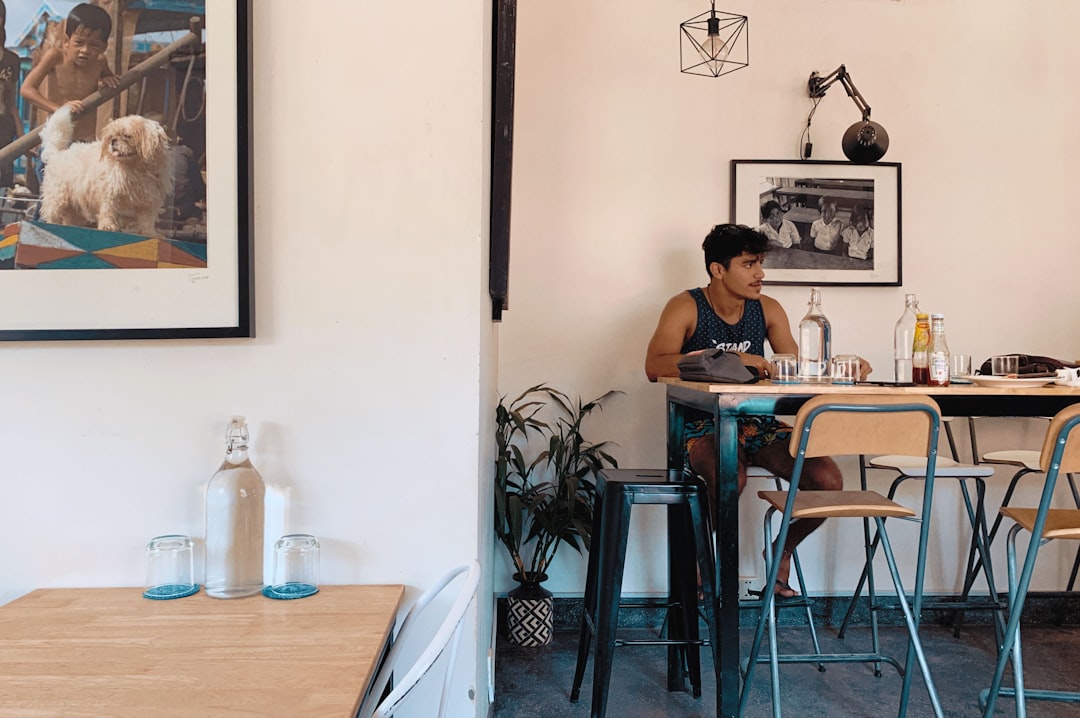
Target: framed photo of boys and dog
[(126, 169), (827, 222)]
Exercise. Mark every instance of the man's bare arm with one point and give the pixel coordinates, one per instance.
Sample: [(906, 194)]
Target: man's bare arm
[(777, 327), (677, 322)]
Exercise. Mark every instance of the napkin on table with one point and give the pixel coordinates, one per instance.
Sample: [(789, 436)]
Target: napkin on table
[(716, 365)]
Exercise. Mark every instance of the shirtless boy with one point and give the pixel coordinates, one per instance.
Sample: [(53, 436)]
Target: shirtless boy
[(75, 70), (731, 313)]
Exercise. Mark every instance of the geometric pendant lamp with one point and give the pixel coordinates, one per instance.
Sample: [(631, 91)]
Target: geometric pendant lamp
[(714, 43)]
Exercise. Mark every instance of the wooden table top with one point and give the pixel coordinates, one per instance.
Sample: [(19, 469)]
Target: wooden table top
[(767, 387), (111, 652)]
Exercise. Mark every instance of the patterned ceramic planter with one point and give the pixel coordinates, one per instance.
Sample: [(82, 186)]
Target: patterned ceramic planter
[(529, 611)]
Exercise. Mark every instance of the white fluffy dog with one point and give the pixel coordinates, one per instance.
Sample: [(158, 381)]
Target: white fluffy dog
[(117, 184)]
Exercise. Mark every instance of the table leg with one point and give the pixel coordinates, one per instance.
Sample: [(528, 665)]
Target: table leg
[(676, 458), (727, 565)]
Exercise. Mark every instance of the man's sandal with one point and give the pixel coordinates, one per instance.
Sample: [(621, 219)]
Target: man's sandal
[(781, 591)]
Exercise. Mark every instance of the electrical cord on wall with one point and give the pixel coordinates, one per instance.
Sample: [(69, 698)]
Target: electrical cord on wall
[(806, 147)]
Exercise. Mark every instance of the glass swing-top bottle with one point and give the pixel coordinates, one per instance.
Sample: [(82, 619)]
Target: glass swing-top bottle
[(234, 521), (904, 340), (815, 343)]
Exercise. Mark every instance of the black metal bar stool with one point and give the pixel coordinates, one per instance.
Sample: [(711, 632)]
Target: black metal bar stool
[(617, 491)]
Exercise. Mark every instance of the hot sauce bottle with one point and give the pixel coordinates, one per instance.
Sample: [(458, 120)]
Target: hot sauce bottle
[(920, 365)]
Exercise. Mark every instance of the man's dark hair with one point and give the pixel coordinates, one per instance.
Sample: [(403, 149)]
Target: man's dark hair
[(768, 207), (727, 241), (92, 17)]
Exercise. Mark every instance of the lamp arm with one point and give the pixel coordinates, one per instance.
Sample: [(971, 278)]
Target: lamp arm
[(819, 84)]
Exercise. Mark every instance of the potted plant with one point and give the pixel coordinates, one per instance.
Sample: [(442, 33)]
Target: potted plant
[(545, 486)]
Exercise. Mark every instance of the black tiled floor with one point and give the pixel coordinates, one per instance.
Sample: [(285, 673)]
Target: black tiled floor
[(535, 682)]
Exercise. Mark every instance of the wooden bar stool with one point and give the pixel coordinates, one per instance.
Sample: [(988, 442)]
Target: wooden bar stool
[(859, 424), (803, 600), (1060, 454), (617, 492), (914, 467), (1025, 461)]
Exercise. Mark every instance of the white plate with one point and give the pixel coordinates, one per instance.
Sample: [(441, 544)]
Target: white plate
[(1004, 382)]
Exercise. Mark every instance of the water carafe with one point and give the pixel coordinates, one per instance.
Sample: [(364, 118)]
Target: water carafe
[(904, 340), (815, 343), (234, 521)]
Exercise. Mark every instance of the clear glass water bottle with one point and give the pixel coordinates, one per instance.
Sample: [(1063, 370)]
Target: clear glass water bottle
[(904, 339), (234, 521), (938, 352), (815, 343)]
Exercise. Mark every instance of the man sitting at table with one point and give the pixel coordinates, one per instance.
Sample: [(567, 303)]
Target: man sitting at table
[(732, 314)]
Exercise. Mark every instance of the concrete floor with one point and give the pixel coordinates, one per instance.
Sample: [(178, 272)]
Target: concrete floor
[(535, 682)]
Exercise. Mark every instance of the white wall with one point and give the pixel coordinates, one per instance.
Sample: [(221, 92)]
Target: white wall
[(368, 385), (622, 165)]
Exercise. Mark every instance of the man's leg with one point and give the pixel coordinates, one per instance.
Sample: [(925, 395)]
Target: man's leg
[(702, 457), (819, 474)]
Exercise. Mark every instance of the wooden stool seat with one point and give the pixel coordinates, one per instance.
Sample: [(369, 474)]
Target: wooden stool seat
[(837, 504), (1060, 523)]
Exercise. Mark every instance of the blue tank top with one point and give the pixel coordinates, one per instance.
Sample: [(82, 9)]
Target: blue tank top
[(747, 335)]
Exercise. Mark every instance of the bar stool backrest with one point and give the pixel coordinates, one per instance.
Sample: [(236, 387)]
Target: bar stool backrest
[(864, 428), (1070, 457)]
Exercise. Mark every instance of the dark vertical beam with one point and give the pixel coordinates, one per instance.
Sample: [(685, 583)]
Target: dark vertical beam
[(502, 153)]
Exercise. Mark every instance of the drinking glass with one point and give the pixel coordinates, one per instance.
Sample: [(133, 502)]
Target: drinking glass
[(845, 369), (961, 365), (785, 369), (170, 567), (296, 566), (1005, 364)]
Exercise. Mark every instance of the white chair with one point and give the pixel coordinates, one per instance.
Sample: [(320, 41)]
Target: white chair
[(448, 634)]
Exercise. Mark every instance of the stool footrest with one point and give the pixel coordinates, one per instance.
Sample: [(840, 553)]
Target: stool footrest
[(1059, 696), (970, 605), (661, 642), (836, 658), (649, 604)]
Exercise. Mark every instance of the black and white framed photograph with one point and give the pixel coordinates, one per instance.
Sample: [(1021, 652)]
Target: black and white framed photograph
[(827, 222), (125, 169)]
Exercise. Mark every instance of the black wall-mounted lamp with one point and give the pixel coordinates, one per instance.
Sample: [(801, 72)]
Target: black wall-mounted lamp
[(714, 43), (865, 141)]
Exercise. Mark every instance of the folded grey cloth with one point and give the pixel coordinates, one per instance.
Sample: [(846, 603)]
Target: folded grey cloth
[(715, 365)]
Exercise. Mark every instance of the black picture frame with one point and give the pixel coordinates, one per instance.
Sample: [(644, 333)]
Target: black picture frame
[(216, 300), (844, 256)]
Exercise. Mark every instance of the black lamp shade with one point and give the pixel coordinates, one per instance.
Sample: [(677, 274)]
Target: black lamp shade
[(864, 142)]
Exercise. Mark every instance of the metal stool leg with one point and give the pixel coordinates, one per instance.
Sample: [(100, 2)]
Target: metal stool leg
[(699, 519), (980, 544), (588, 619), (866, 578), (969, 580), (910, 620), (1076, 561), (685, 627), (609, 589), (802, 587)]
